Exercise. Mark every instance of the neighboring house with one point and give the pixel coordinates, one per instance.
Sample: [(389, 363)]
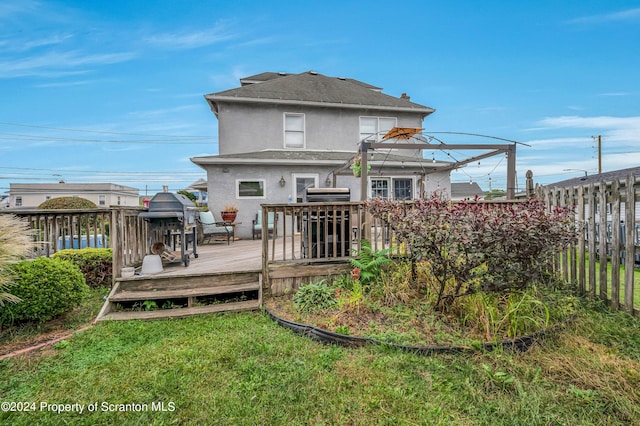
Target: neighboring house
[(466, 191), (199, 190), (280, 133), (31, 195), (607, 177)]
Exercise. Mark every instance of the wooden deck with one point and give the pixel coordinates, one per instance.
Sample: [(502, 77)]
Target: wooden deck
[(238, 256), (220, 271)]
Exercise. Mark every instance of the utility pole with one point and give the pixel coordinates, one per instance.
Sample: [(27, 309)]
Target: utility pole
[(599, 154)]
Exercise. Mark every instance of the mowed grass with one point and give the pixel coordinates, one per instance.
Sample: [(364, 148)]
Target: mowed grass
[(636, 282), (243, 369)]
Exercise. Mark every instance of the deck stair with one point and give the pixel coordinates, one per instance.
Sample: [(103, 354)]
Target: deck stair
[(182, 295)]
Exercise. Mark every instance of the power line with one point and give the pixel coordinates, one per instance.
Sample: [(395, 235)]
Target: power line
[(66, 171), (129, 141), (99, 131)]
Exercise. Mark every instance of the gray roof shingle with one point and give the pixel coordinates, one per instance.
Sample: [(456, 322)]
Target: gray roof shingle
[(311, 87), (282, 157), (606, 176)]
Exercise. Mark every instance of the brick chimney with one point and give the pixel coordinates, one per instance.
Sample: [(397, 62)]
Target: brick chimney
[(405, 96)]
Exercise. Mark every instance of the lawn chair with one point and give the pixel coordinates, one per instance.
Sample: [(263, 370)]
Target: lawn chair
[(257, 224), (211, 227)]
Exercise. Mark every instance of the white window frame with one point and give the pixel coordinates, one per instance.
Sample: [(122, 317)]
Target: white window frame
[(385, 179), (102, 200), (287, 131), (377, 135), (251, 197), (295, 176), (391, 186), (18, 201), (412, 195)]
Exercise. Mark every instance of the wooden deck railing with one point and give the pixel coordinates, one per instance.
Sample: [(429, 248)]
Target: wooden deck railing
[(314, 240), (607, 212), (119, 228)]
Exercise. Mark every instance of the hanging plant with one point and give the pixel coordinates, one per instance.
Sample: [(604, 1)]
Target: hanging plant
[(356, 167)]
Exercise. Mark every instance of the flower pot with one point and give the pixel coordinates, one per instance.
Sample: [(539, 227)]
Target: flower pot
[(228, 216)]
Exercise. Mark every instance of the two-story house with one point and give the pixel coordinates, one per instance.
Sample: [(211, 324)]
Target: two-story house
[(279, 133)]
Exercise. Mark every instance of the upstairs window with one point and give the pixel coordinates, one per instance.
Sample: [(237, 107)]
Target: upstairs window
[(18, 201), (102, 200), (293, 130), (373, 129)]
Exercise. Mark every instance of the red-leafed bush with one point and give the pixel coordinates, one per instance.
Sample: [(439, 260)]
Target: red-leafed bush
[(473, 246)]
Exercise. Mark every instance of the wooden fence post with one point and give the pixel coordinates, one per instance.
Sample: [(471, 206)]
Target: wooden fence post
[(629, 247), (615, 244)]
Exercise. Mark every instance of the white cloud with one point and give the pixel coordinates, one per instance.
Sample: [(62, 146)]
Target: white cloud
[(624, 15), (614, 94), (560, 142), (18, 45), (56, 64), (10, 8), (618, 129), (161, 112), (68, 83), (189, 40)]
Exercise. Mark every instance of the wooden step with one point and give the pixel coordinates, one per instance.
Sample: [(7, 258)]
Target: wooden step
[(182, 312), (127, 296), (186, 281)]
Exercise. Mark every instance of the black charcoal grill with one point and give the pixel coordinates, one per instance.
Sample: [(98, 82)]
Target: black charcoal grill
[(172, 218)]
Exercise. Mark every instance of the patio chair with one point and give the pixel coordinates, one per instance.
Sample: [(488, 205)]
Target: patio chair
[(211, 227), (257, 224)]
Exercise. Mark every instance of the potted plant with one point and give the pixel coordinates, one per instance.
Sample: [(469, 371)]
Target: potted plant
[(229, 212)]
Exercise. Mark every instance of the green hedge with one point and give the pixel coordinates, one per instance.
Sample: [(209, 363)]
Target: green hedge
[(66, 203), (95, 263), (47, 287)]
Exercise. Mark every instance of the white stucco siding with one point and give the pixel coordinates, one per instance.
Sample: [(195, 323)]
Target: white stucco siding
[(223, 181), (246, 127)]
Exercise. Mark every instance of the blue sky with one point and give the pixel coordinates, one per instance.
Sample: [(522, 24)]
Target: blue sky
[(112, 91)]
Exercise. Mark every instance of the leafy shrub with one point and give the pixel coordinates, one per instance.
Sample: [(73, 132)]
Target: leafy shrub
[(15, 244), (475, 246), (314, 297), (188, 194), (67, 203), (47, 287), (94, 263)]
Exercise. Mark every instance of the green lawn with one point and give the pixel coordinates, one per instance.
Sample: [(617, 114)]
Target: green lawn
[(243, 369), (636, 282)]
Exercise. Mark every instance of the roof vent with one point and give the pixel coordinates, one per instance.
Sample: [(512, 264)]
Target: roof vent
[(341, 78), (313, 72), (282, 73)]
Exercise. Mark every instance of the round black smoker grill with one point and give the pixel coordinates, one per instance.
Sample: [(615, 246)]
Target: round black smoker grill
[(172, 217)]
